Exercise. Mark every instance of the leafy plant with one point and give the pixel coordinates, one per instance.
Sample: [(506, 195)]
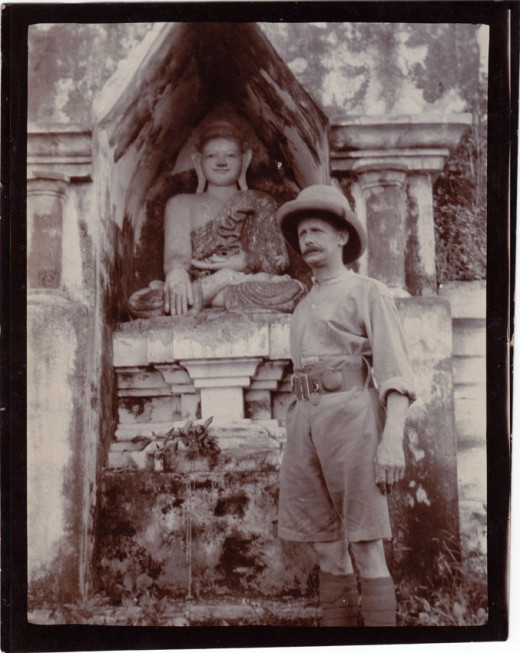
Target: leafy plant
[(197, 440), (193, 440), (458, 597), (460, 200)]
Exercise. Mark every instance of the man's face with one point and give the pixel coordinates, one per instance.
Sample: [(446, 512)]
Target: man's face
[(221, 161), (321, 243)]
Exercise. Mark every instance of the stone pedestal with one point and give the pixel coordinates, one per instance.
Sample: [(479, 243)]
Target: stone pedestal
[(219, 364)]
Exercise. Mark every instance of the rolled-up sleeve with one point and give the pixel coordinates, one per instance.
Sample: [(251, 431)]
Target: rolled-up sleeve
[(391, 364)]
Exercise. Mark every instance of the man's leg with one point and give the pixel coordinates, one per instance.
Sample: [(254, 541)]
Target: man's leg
[(378, 605), (338, 589)]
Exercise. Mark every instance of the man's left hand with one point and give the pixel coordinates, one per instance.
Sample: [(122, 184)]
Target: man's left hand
[(389, 460)]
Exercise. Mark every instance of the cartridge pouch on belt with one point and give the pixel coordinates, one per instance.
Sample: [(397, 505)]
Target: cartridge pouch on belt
[(319, 380)]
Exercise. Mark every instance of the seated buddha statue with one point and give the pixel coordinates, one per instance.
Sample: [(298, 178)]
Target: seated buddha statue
[(222, 246)]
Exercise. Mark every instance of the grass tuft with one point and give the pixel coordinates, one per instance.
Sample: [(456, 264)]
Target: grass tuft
[(457, 598)]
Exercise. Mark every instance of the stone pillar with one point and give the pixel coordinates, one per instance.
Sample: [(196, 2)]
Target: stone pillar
[(44, 232), (57, 400), (384, 192), (380, 149), (421, 277)]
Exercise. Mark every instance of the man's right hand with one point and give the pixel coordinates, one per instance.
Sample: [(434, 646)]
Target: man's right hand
[(178, 292)]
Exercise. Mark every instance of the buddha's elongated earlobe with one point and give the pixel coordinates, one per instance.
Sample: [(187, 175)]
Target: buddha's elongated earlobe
[(246, 160), (201, 179)]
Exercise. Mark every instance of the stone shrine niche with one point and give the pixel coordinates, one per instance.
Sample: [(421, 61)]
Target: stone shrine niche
[(144, 139)]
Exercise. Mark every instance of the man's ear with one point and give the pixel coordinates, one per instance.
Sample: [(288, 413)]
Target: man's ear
[(246, 160), (345, 237), (201, 179)]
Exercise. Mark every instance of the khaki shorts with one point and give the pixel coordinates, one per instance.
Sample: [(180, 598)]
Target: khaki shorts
[(327, 478)]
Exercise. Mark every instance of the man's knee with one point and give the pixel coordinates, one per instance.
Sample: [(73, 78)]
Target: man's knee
[(370, 558), (333, 557)]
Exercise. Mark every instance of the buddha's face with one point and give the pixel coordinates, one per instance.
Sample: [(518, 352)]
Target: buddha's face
[(221, 161)]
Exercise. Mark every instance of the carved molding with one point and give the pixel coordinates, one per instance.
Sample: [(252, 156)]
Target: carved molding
[(417, 142), (375, 176), (59, 152)]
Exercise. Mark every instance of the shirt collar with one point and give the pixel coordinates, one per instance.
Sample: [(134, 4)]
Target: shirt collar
[(345, 272)]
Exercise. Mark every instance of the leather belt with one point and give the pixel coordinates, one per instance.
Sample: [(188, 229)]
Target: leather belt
[(309, 386)]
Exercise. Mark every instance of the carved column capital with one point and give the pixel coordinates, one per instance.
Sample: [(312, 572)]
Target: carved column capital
[(387, 174), (46, 185)]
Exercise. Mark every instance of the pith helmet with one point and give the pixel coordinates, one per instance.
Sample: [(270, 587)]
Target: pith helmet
[(327, 202)]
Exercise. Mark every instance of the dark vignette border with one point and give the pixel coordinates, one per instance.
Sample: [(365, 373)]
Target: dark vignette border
[(503, 19)]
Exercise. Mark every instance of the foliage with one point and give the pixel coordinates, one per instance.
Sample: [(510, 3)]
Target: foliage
[(458, 597), (460, 202), (192, 439), (451, 63), (197, 440)]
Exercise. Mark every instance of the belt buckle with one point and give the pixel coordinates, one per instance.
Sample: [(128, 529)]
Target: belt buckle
[(297, 388), (306, 388)]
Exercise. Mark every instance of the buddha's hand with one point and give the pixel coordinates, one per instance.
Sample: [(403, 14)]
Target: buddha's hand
[(178, 292), (217, 262)]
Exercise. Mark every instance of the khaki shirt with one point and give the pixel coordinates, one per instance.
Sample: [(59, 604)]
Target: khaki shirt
[(352, 315)]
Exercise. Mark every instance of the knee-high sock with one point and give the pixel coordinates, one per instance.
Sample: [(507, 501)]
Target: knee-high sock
[(378, 606), (338, 599)]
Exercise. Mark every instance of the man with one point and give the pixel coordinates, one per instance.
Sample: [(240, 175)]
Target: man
[(353, 385)]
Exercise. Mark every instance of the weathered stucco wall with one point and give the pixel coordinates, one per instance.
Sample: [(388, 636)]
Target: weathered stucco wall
[(57, 376), (349, 68), (64, 409), (468, 307), (62, 87)]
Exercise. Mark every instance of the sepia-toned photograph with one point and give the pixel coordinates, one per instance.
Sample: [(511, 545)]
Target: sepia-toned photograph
[(256, 323)]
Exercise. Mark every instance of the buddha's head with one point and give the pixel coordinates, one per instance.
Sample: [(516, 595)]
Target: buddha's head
[(222, 156)]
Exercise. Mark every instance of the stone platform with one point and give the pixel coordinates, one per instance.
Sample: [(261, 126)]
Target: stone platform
[(212, 533)]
